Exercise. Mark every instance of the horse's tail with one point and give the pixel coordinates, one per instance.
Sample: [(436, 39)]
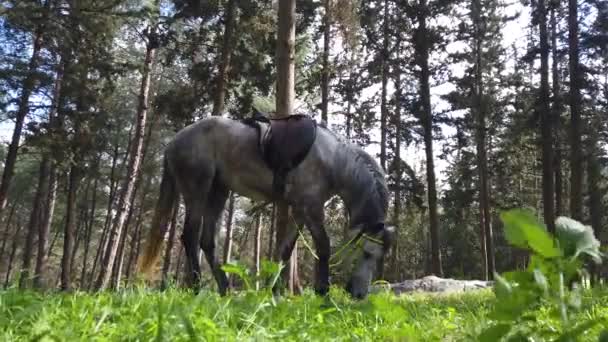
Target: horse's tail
[(164, 207)]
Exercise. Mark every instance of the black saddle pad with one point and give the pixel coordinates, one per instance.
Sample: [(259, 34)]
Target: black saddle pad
[(284, 142)]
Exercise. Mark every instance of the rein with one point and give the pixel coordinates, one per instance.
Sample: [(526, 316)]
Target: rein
[(357, 240)]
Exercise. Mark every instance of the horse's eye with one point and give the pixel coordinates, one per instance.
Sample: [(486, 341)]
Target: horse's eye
[(367, 255)]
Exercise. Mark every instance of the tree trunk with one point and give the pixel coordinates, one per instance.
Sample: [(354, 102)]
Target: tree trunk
[(28, 251), (132, 172), (219, 99), (546, 121), (576, 154), (68, 237), (325, 73), (89, 232), (11, 257), (256, 248), (422, 48), (50, 193), (485, 228), (117, 268), (294, 275), (29, 83), (285, 53), (169, 247), (7, 229), (137, 234), (229, 219), (398, 172), (349, 94), (384, 76), (80, 233), (103, 241), (114, 181), (271, 234), (556, 113), (106, 227), (55, 238), (135, 242), (594, 177)]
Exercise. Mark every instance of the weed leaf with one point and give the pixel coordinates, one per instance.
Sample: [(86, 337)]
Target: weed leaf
[(523, 230)]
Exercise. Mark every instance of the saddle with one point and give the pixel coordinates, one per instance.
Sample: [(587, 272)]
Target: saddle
[(283, 143)]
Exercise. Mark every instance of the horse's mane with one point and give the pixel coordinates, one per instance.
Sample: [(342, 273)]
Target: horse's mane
[(370, 165)]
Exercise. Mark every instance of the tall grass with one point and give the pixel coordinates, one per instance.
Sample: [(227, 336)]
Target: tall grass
[(178, 315)]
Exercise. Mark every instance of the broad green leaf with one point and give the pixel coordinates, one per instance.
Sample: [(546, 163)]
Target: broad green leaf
[(577, 238), (502, 288), (523, 230), (495, 332), (240, 270)]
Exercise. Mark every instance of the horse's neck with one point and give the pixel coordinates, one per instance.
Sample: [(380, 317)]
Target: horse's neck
[(358, 192)]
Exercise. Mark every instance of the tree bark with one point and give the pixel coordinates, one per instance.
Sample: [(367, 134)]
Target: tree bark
[(229, 219), (169, 247), (11, 257), (594, 176), (118, 263), (219, 99), (7, 229), (285, 96), (422, 47), (50, 193), (271, 234), (90, 222), (34, 222), (485, 228), (576, 154), (133, 169), (106, 227), (384, 77), (397, 170), (556, 113), (325, 73), (546, 121), (256, 248), (80, 233), (68, 238), (29, 83), (135, 242)]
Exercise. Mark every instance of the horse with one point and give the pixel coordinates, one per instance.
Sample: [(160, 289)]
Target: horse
[(208, 159)]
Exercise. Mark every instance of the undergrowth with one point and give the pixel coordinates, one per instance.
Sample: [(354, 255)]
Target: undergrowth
[(178, 315), (536, 304)]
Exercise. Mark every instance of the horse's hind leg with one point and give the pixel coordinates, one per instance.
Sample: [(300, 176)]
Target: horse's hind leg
[(191, 232), (214, 207)]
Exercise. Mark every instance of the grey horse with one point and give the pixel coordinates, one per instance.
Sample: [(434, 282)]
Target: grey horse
[(210, 158)]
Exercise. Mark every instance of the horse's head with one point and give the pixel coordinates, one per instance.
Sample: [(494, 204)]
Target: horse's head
[(371, 243)]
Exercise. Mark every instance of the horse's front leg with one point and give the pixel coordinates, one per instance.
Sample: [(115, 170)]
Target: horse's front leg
[(313, 217)]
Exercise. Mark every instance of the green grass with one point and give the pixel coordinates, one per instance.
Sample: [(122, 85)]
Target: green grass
[(176, 315)]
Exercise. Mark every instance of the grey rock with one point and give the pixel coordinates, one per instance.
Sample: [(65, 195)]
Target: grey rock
[(434, 284)]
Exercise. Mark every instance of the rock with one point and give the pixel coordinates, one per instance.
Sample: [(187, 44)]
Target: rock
[(435, 284)]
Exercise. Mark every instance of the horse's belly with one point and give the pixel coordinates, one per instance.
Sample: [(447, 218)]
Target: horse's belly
[(254, 185)]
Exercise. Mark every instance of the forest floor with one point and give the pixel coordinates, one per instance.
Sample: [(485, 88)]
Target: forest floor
[(177, 315)]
